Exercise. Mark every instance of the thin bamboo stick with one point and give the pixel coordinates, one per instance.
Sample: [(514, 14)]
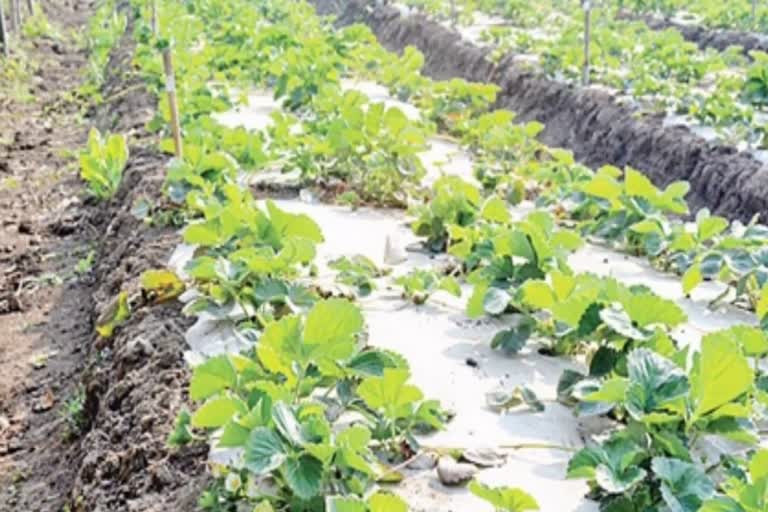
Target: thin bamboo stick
[(170, 86)]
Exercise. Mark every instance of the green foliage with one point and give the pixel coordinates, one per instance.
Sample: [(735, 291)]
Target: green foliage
[(102, 163), (418, 285), (358, 272), (504, 499), (453, 202)]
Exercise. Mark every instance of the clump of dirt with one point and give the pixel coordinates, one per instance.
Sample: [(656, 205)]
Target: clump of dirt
[(587, 121)]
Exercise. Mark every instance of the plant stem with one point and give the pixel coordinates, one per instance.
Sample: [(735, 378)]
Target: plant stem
[(299, 379)]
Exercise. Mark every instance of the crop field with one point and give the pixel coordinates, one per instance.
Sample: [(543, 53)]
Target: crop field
[(368, 256)]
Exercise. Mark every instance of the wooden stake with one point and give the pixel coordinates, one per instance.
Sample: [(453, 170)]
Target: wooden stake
[(155, 20), (17, 14), (30, 7), (454, 15), (4, 31), (754, 14), (170, 86), (587, 6)]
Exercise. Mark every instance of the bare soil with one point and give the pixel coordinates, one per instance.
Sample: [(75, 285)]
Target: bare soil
[(131, 386)]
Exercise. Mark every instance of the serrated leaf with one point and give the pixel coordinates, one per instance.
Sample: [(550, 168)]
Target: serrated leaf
[(334, 322), (390, 392), (710, 227), (512, 340), (684, 486), (538, 294), (344, 504), (496, 301), (216, 412), (264, 451), (647, 309), (721, 375), (383, 502), (287, 424), (507, 499), (495, 210), (653, 383), (692, 278), (214, 375), (304, 476), (164, 284)]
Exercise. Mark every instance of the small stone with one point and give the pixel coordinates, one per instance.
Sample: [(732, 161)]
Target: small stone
[(454, 473), (484, 457), (45, 402), (424, 460), (472, 362)]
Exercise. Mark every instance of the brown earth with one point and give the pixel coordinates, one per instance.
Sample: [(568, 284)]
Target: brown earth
[(132, 386), (705, 37), (587, 121)]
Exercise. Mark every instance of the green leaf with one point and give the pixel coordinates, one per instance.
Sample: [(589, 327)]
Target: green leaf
[(637, 184), (451, 285), (653, 383), (344, 504), (761, 308), (506, 499), (304, 476), (721, 375), (753, 340), (216, 412), (684, 486), (264, 506), (692, 278), (495, 210), (287, 424), (201, 234), (180, 435), (384, 502), (711, 264), (115, 315), (164, 284), (294, 225), (721, 504), (264, 451), (538, 294), (649, 309), (334, 322), (214, 375), (512, 340), (496, 301), (613, 465), (618, 320), (389, 392), (710, 227), (758, 465), (475, 307)]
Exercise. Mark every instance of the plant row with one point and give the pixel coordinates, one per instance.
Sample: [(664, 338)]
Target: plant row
[(280, 405), (654, 71)]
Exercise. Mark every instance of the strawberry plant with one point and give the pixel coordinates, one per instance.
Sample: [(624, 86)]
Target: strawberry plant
[(668, 407), (102, 163), (584, 309), (359, 272), (419, 284), (454, 202)]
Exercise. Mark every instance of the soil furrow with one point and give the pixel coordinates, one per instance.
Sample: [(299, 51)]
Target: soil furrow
[(704, 37)]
